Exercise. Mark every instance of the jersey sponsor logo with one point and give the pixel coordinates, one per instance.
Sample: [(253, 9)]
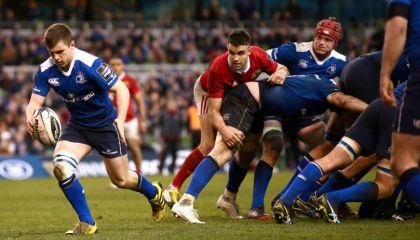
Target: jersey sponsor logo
[(226, 116), (80, 78), (256, 74), (331, 69), (105, 71), (303, 63), (72, 98), (15, 169), (109, 152), (53, 82)]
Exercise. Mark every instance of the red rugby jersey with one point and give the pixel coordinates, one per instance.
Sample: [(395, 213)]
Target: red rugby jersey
[(133, 88), (219, 77)]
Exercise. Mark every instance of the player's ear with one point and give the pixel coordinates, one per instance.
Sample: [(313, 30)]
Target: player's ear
[(72, 43)]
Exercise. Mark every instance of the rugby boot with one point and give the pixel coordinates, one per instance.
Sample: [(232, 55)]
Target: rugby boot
[(82, 228), (329, 211), (231, 207), (258, 214), (171, 196), (184, 209), (303, 209), (157, 203), (281, 213)]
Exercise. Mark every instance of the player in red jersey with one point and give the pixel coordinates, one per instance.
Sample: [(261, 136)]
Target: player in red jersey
[(134, 125), (240, 63)]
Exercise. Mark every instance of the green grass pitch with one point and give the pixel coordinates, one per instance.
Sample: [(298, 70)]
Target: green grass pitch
[(37, 209)]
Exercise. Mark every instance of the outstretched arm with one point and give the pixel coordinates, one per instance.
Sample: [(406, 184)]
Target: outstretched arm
[(346, 102)]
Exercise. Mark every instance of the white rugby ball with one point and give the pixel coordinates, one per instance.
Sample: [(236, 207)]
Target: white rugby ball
[(47, 127)]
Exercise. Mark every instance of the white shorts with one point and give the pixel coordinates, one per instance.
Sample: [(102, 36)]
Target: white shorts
[(200, 98), (131, 129)]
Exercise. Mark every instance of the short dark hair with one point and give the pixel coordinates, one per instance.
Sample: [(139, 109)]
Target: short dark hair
[(56, 33), (239, 37)]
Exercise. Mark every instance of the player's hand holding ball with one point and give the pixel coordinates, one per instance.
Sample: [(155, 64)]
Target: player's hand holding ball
[(45, 126)]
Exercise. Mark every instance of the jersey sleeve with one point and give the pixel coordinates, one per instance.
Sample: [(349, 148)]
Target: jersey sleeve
[(217, 85), (268, 64), (328, 87), (41, 86), (103, 74), (284, 53)]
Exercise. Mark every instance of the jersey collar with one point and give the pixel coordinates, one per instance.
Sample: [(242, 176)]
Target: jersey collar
[(68, 72)]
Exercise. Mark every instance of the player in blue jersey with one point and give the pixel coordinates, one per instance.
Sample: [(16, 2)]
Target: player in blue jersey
[(83, 81), (360, 78), (357, 79), (402, 33), (300, 96), (315, 57), (371, 134)]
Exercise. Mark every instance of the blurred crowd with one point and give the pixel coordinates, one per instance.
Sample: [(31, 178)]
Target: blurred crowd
[(193, 44)]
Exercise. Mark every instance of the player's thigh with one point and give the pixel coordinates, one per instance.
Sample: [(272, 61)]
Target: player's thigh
[(405, 152), (313, 134), (117, 167), (72, 140)]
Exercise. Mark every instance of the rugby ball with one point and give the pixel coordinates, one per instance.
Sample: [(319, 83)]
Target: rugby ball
[(47, 127)]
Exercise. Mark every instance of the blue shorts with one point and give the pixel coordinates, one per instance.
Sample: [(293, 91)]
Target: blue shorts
[(105, 140), (373, 129), (360, 78), (408, 114)]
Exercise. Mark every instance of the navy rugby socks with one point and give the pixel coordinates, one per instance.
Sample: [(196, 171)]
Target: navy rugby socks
[(236, 176), (410, 181), (262, 177), (335, 182)]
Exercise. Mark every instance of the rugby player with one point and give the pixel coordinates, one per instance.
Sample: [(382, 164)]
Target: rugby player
[(300, 96), (83, 80)]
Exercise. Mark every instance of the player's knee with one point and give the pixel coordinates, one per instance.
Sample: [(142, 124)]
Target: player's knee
[(64, 165), (205, 148), (119, 181), (273, 141)]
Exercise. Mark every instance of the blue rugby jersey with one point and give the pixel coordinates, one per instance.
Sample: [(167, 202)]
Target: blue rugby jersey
[(412, 46), (300, 96), (84, 88), (299, 58)]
